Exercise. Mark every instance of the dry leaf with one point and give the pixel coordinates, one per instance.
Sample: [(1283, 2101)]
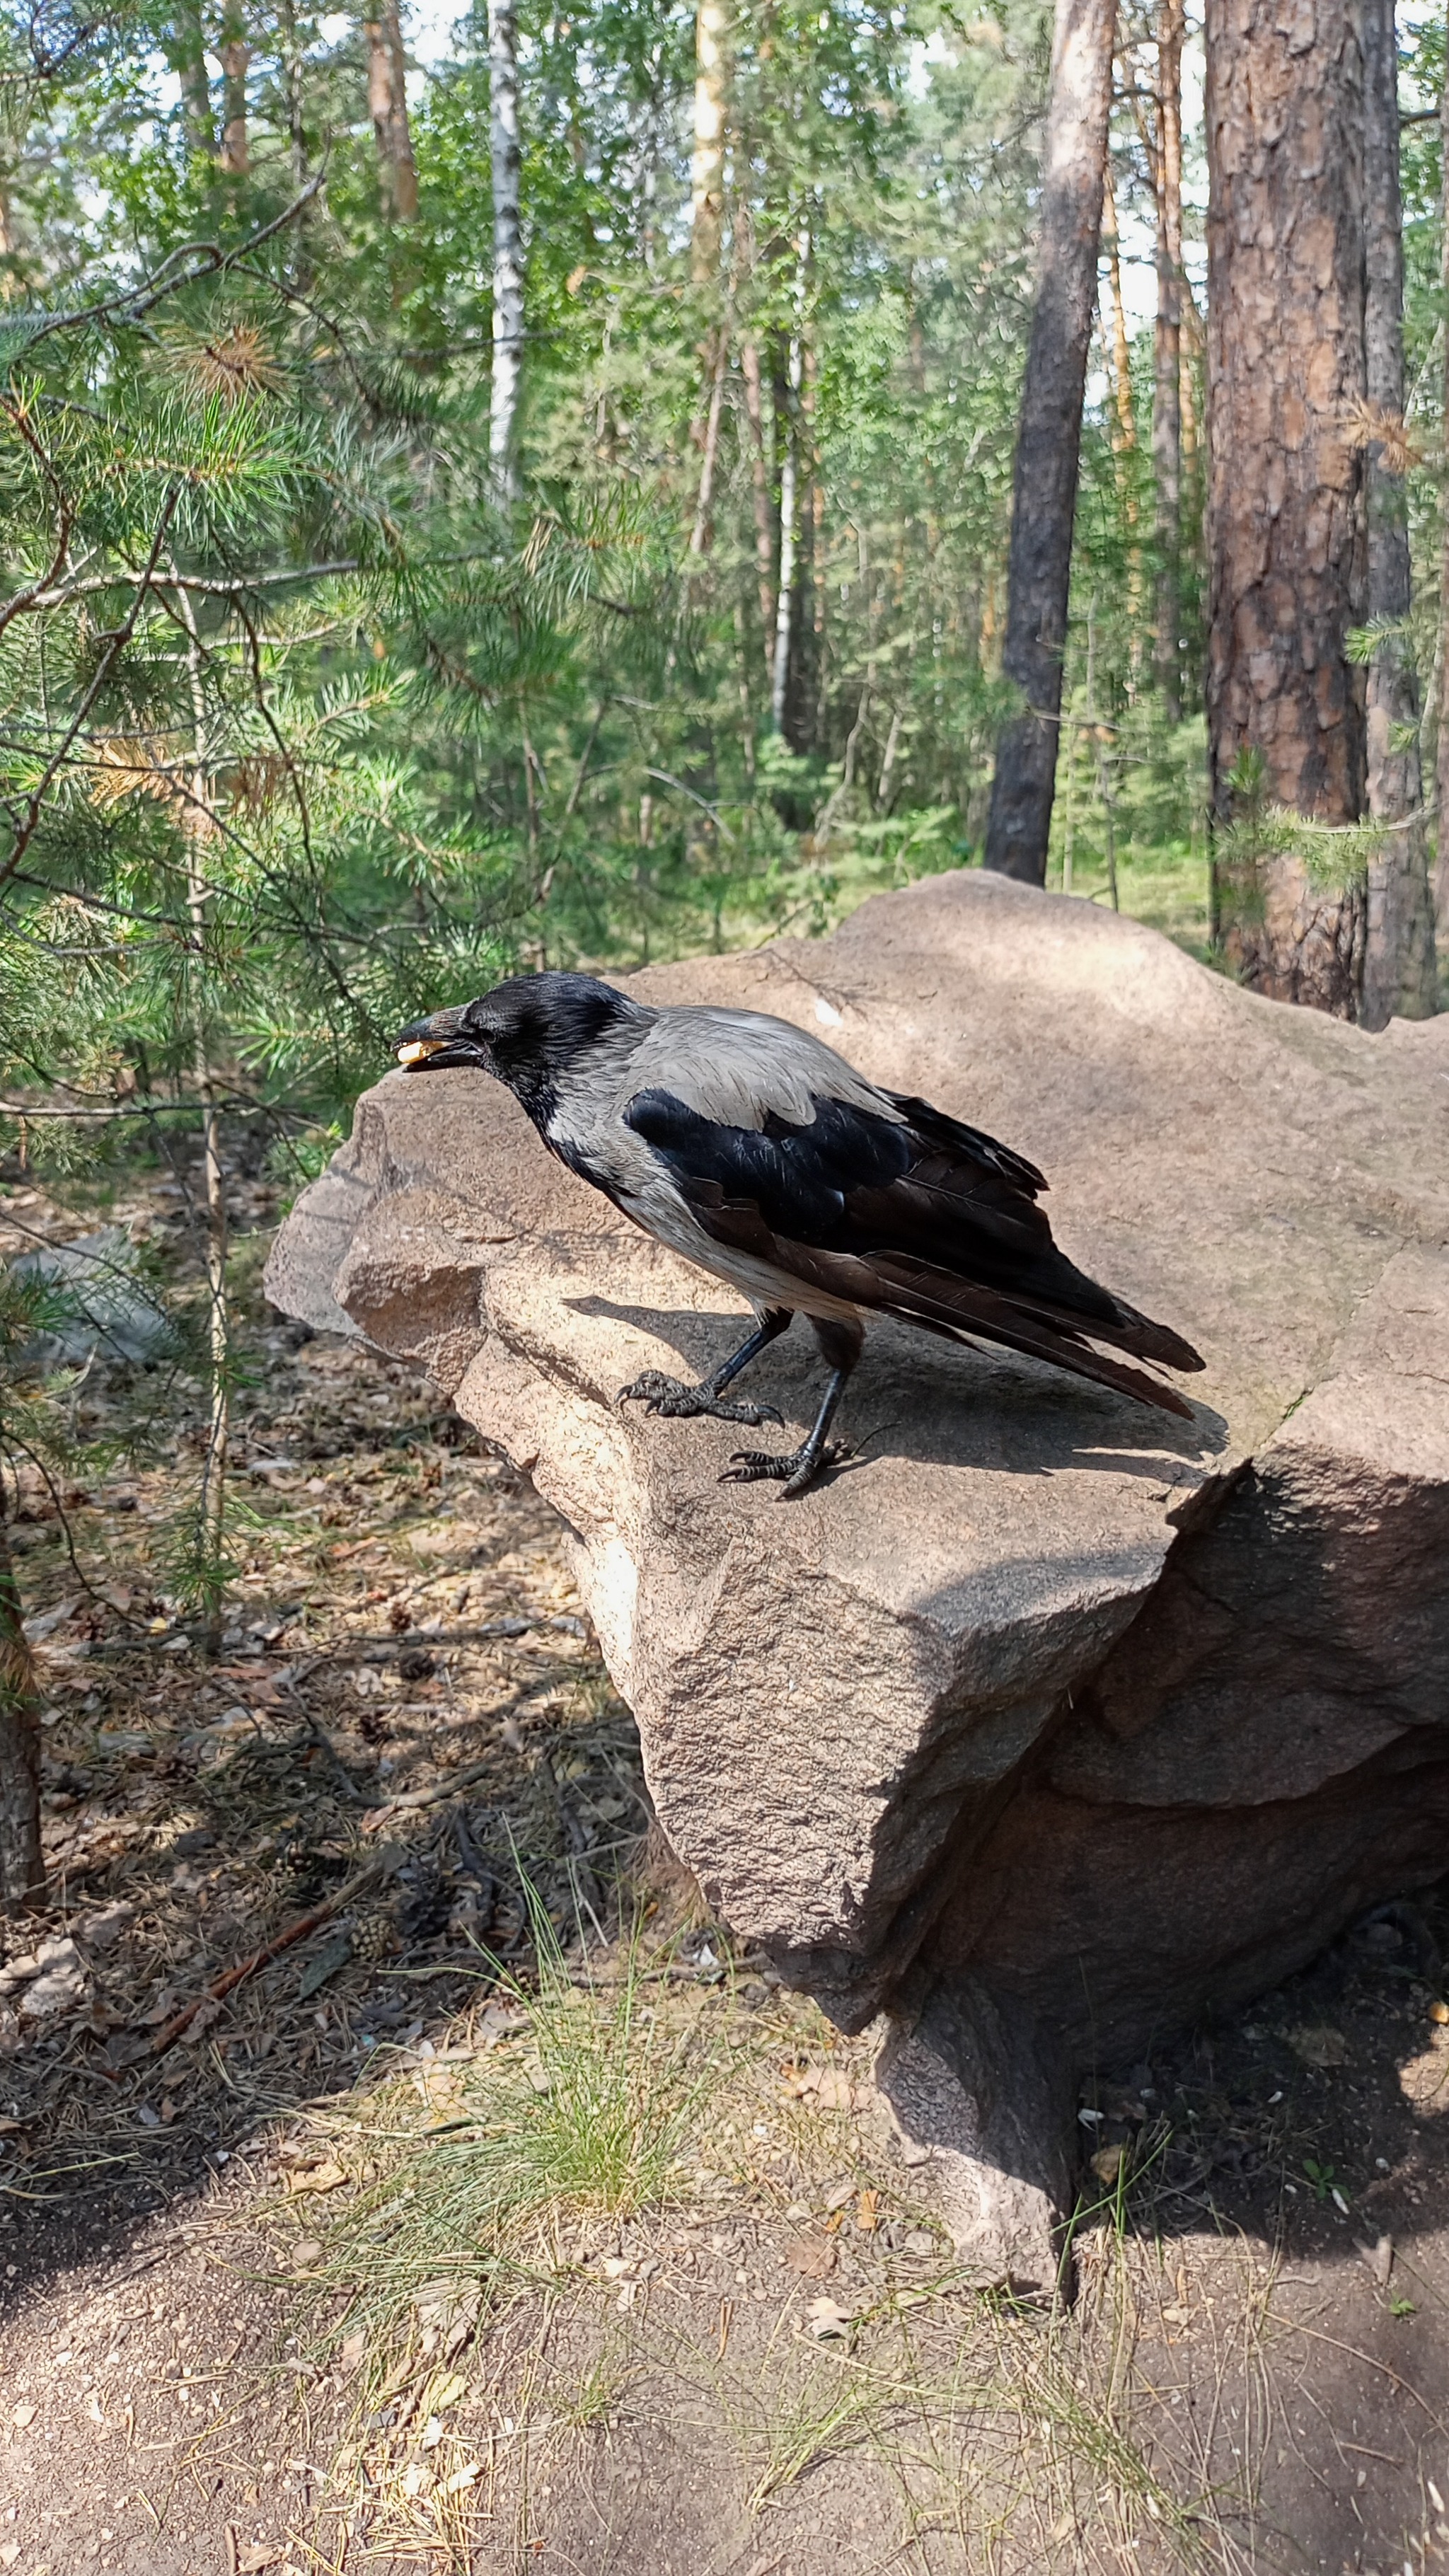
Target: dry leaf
[(1380, 2259), (827, 2318), (307, 2254), (1107, 2164), (353, 2351), (254, 2555), (835, 2092), (813, 2257), (1438, 2011), (867, 2214), (453, 2387), (323, 2177), (462, 2479)]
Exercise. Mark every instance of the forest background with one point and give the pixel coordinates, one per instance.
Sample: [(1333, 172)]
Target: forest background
[(554, 506)]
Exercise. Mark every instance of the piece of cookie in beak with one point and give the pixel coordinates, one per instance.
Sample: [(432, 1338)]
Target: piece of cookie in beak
[(441, 1034)]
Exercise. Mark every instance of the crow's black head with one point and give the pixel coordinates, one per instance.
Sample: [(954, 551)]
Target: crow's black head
[(526, 1031)]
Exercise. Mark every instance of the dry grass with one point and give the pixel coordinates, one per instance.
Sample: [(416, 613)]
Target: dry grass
[(580, 2229)]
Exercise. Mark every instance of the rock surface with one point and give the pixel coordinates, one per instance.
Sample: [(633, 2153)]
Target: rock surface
[(1048, 1723)]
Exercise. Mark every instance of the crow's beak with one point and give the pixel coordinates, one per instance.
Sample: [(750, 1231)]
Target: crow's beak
[(439, 1040)]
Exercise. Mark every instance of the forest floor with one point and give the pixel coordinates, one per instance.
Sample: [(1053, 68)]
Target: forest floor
[(502, 2215)]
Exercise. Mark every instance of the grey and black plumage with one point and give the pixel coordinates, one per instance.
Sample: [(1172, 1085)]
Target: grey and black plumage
[(757, 1152)]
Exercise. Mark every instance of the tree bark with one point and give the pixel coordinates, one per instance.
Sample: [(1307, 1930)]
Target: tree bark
[(1044, 497), (787, 448), (387, 100), (22, 1871), (1398, 971), (1124, 433), (1167, 352), (234, 55), (506, 150), (186, 53), (706, 169), (292, 94), (701, 535), (764, 506), (201, 833), (1289, 558), (1441, 777)]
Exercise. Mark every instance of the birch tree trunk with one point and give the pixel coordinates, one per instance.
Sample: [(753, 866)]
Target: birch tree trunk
[(1398, 970), (292, 95), (1124, 433), (22, 1870), (762, 497), (387, 101), (787, 448), (706, 169), (1288, 576), (1044, 496), (1167, 352), (505, 147)]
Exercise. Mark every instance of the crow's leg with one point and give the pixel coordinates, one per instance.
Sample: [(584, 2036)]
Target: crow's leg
[(841, 1344), (667, 1395)]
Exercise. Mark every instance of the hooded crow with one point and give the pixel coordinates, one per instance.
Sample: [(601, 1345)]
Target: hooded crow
[(758, 1153)]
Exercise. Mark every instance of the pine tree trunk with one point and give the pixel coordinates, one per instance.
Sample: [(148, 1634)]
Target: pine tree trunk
[(1167, 352), (1289, 558), (1044, 497), (235, 56), (1398, 969), (22, 1870), (706, 169), (505, 146), (186, 53), (387, 100)]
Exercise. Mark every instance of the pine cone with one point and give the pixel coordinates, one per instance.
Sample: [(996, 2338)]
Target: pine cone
[(374, 1936)]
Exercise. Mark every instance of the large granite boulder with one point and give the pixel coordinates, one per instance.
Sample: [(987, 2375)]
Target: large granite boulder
[(1048, 1723)]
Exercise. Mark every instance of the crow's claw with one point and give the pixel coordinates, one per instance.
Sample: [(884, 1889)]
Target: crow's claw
[(675, 1401), (794, 1470)]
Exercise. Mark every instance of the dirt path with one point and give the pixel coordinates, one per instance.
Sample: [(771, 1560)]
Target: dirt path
[(244, 2326)]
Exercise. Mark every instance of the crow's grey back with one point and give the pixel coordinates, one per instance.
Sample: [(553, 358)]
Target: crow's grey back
[(741, 1067)]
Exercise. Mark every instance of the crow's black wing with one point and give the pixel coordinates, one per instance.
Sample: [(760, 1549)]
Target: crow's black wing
[(918, 1216)]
